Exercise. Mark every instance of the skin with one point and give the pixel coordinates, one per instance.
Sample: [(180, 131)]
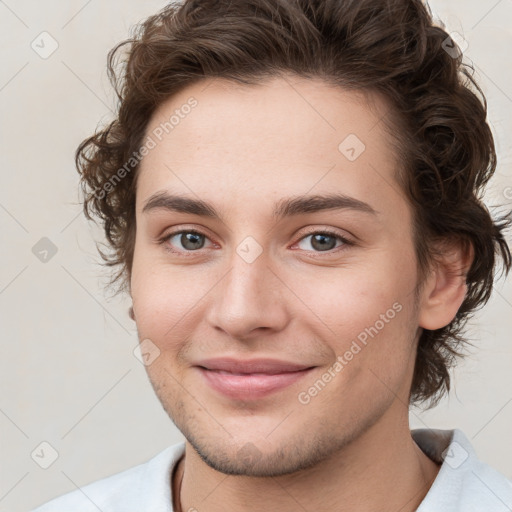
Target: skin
[(242, 148)]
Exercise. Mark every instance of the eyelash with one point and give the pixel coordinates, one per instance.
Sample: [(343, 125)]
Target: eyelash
[(346, 243)]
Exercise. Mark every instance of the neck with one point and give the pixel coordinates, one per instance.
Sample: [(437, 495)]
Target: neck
[(383, 469)]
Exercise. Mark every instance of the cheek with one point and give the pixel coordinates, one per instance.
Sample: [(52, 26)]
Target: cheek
[(380, 358), (349, 300), (168, 301), (376, 335), (371, 322)]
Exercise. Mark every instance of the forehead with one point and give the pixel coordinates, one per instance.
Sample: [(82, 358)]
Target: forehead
[(285, 136)]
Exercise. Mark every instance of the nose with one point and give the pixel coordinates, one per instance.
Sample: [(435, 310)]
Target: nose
[(249, 299)]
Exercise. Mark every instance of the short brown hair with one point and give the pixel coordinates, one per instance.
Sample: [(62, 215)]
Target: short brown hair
[(391, 47)]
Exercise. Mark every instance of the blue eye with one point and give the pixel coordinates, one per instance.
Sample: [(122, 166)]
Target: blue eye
[(325, 241), (191, 241)]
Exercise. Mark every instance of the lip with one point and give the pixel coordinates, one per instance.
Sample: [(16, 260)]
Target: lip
[(261, 365), (250, 379)]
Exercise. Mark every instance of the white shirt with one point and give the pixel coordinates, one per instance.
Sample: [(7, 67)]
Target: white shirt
[(463, 484)]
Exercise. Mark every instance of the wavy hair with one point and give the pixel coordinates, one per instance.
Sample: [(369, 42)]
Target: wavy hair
[(437, 122)]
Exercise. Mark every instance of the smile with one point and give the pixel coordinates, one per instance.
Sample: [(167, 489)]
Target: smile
[(250, 386)]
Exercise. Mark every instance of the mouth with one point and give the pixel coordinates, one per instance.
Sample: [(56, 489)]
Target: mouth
[(252, 379)]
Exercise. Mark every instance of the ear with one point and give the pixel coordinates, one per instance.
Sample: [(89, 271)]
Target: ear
[(445, 288)]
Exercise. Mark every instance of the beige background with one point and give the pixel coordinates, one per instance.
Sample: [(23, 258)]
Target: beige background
[(68, 374)]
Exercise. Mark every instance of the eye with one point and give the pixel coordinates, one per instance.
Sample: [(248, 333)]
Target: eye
[(190, 240), (324, 241)]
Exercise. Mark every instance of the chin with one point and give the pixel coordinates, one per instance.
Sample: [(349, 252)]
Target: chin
[(259, 458)]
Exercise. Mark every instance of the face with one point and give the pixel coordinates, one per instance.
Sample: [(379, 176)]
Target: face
[(274, 291)]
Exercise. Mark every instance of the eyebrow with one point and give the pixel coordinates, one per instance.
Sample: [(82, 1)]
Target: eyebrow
[(287, 207)]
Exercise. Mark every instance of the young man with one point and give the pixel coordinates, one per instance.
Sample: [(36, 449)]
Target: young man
[(291, 192)]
